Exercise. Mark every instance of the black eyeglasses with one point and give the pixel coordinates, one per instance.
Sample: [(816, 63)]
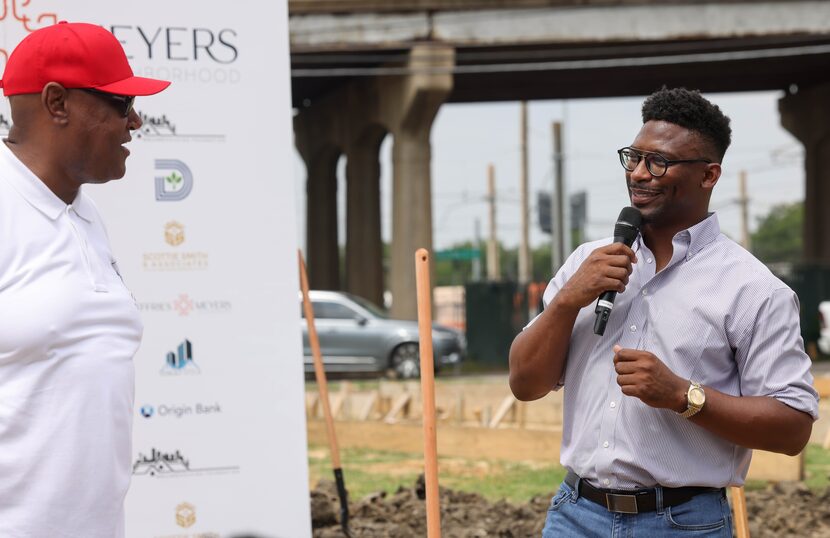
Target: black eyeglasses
[(656, 164), (124, 103)]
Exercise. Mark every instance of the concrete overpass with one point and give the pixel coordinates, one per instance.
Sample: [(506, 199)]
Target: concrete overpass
[(365, 69)]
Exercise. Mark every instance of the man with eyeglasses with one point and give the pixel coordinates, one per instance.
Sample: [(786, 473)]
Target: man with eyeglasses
[(69, 327), (702, 359)]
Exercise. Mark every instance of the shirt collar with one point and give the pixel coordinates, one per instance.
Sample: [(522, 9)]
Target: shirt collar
[(36, 192), (690, 241), (701, 234)]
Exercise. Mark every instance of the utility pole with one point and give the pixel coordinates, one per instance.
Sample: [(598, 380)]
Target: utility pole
[(524, 247), (743, 200), (477, 259), (493, 272), (557, 205)]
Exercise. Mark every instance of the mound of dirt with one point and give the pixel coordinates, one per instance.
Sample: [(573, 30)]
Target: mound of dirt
[(403, 514), (780, 510), (788, 509)]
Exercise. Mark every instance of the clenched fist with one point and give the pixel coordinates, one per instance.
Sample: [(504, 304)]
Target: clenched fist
[(605, 269), (642, 375)]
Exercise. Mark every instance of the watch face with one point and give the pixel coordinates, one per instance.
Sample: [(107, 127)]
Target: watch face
[(696, 396)]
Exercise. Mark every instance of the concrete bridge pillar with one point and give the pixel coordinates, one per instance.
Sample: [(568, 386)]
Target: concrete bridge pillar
[(364, 246), (320, 158), (417, 99), (806, 115), (356, 118)]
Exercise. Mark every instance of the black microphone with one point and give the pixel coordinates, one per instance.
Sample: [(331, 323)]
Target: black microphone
[(625, 231)]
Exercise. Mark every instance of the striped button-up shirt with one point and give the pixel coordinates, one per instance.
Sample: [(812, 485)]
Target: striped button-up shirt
[(714, 315)]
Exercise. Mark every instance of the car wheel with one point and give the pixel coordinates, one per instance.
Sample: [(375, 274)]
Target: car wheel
[(406, 361)]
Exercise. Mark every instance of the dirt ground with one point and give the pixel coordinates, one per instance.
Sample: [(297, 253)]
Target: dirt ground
[(780, 510)]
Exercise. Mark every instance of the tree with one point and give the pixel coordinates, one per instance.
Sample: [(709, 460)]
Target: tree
[(779, 237)]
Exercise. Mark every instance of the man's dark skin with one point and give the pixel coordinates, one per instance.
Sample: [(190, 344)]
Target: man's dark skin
[(68, 137), (669, 204)]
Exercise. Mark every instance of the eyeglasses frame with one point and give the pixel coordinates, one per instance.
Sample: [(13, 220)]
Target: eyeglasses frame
[(645, 154)]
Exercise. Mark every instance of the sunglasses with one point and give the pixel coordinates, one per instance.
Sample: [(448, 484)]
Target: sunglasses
[(123, 103)]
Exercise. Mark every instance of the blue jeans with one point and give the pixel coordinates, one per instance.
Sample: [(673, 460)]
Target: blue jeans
[(705, 516)]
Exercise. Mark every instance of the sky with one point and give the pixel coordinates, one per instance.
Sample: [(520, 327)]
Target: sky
[(467, 137)]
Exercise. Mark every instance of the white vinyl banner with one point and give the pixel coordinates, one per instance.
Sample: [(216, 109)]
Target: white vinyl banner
[(203, 229)]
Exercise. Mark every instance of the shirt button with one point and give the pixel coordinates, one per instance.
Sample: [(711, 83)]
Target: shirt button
[(613, 405), (605, 444), (606, 482), (649, 260), (633, 328), (645, 291)]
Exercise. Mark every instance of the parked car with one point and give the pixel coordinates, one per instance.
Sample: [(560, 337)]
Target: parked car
[(358, 336), (824, 332)]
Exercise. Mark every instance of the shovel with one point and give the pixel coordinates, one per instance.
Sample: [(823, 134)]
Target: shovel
[(320, 374)]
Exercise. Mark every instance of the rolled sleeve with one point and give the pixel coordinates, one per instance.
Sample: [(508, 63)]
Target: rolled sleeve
[(771, 358)]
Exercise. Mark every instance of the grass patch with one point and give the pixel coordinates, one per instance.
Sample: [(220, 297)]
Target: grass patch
[(817, 467), (365, 471), (369, 471), (516, 482)]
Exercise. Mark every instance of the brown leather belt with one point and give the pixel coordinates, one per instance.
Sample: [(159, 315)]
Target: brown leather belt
[(635, 501)]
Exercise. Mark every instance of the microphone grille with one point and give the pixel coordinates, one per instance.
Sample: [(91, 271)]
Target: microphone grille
[(628, 223)]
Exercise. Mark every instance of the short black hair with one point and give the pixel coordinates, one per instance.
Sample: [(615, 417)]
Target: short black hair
[(689, 109)]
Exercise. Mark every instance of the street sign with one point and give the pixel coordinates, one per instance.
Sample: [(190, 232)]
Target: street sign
[(458, 254)]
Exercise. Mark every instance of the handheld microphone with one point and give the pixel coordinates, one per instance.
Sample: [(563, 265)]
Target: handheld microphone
[(625, 231)]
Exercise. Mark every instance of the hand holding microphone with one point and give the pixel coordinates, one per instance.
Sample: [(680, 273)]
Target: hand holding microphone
[(625, 231), (606, 268)]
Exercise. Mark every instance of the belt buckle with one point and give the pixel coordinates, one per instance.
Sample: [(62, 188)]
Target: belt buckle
[(623, 504)]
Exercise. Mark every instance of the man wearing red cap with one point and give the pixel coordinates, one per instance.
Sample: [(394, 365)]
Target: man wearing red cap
[(70, 326)]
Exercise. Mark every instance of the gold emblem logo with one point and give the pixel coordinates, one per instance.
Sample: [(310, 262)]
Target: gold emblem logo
[(174, 233), (185, 515)]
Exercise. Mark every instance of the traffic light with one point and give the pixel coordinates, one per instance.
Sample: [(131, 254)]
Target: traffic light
[(543, 206)]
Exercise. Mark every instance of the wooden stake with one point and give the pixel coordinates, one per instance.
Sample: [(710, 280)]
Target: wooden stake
[(739, 511), (506, 405), (322, 385), (422, 263)]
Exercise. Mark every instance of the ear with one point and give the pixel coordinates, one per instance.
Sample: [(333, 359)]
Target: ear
[(54, 99), (711, 176)]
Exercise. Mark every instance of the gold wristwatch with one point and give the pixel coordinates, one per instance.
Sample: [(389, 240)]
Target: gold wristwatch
[(695, 398)]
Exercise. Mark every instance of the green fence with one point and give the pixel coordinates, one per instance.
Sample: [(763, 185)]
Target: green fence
[(496, 312)]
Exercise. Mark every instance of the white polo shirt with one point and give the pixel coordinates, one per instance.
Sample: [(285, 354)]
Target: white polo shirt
[(68, 331)]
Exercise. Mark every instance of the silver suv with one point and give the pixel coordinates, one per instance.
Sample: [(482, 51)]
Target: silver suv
[(357, 336)]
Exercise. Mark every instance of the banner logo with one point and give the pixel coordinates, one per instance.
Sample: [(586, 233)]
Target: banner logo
[(180, 411), (180, 361), (176, 184), (173, 464), (185, 515), (175, 260), (184, 305), (42, 20), (162, 129), (18, 19), (174, 233)]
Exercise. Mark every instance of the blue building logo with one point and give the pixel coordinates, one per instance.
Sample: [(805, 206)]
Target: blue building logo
[(180, 361), (176, 180)]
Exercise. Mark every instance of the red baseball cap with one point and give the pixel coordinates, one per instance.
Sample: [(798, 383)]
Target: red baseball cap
[(75, 55)]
